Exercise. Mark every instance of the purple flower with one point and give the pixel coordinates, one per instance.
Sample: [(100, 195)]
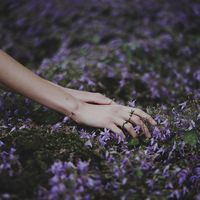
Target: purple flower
[(184, 190), (84, 134), (120, 138), (8, 159), (196, 75), (156, 132), (104, 136), (192, 125), (150, 183), (169, 185), (59, 188), (124, 181), (5, 196), (57, 125), (166, 171), (182, 175), (101, 141), (145, 165), (88, 143), (196, 176), (198, 116), (82, 166), (58, 167), (197, 197), (176, 194), (1, 144), (132, 103), (183, 105), (196, 9), (158, 119)]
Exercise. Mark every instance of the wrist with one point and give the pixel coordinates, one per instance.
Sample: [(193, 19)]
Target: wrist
[(74, 112)]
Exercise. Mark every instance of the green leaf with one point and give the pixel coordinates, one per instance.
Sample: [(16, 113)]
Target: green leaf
[(139, 173), (133, 142), (190, 138)]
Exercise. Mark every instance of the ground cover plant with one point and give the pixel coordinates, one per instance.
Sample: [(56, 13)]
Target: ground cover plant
[(144, 54)]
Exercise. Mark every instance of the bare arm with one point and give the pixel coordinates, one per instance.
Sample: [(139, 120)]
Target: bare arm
[(110, 115), (20, 79)]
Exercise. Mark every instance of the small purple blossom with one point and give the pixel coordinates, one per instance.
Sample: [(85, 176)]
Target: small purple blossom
[(88, 143), (183, 105), (8, 159), (150, 183), (182, 175), (82, 166), (132, 103)]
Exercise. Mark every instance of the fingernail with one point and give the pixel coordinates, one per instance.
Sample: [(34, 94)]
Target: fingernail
[(154, 122), (148, 136)]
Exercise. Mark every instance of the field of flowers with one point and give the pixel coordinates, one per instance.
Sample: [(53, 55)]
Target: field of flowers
[(144, 54)]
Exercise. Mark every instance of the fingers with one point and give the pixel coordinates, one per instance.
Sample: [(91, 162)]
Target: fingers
[(137, 120), (117, 130), (128, 127), (141, 114)]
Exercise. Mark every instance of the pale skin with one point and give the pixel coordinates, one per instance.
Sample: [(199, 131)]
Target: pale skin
[(87, 108)]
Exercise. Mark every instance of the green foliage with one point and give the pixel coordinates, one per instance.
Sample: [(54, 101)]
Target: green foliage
[(190, 138), (37, 150), (133, 142)]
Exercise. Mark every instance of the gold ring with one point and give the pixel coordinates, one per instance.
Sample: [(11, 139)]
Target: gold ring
[(124, 124), (131, 113)]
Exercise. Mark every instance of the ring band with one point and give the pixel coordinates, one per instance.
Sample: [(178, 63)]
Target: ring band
[(124, 124), (131, 113)]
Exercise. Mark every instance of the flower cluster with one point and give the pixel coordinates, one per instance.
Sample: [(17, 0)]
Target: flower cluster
[(9, 162), (71, 181)]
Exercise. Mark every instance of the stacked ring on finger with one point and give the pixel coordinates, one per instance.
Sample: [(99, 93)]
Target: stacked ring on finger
[(131, 113), (125, 123)]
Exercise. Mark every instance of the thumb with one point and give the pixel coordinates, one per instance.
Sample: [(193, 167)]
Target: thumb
[(99, 99)]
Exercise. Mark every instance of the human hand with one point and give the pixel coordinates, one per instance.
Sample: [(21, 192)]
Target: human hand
[(113, 117), (85, 96)]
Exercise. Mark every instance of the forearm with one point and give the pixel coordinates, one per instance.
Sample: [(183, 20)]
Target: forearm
[(20, 79), (73, 92)]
